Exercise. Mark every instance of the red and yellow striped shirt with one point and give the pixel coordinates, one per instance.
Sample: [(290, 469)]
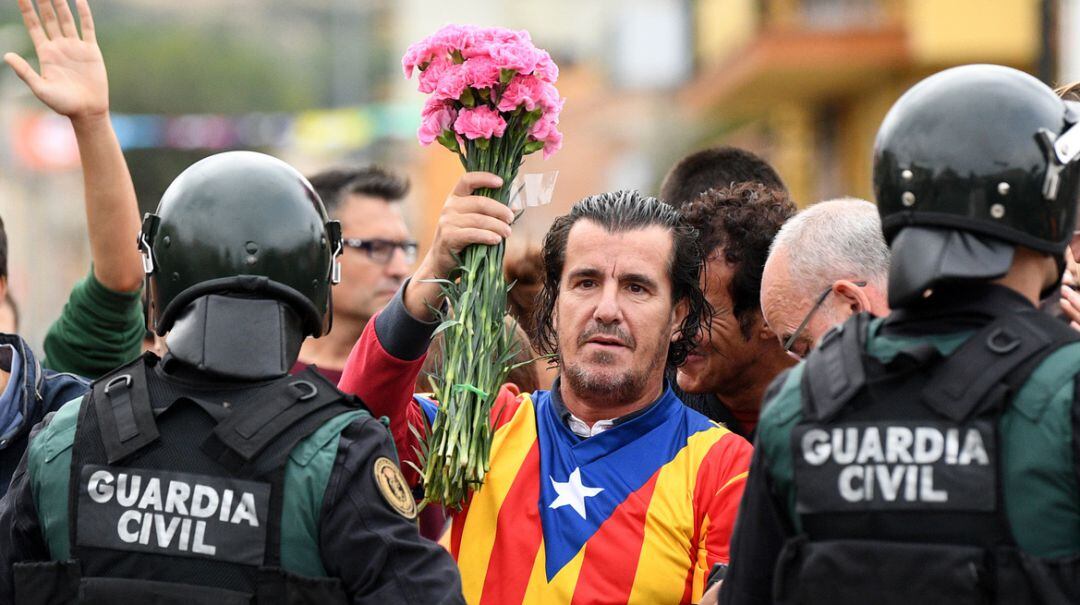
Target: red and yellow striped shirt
[(636, 514)]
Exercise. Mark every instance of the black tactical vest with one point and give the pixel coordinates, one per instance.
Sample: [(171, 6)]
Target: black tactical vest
[(182, 503), (897, 473)]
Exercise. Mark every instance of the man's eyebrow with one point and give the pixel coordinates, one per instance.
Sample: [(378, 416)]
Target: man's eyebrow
[(639, 278), (585, 272)]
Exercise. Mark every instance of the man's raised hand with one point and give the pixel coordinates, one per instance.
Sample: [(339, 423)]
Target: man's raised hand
[(466, 219), (72, 81)]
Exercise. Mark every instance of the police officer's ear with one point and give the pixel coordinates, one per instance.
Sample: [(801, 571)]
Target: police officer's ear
[(851, 296)]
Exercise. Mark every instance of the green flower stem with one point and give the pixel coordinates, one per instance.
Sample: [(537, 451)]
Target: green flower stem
[(478, 345)]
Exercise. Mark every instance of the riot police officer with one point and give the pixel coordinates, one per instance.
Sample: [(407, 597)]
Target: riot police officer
[(930, 457), (212, 476)]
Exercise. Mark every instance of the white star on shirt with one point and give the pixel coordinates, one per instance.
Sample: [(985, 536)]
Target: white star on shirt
[(572, 493)]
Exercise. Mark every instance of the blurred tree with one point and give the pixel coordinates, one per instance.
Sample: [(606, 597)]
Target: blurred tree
[(185, 70), (164, 59), (177, 70)]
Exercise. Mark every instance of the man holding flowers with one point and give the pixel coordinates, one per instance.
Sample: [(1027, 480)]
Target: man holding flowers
[(606, 488)]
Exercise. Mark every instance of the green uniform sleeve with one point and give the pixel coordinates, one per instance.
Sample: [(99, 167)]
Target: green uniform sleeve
[(98, 330), (1039, 476), (778, 418), (49, 466)]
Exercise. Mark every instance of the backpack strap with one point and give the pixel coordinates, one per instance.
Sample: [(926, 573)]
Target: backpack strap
[(122, 404), (256, 438), (1001, 355), (1063, 335), (262, 430), (834, 371)]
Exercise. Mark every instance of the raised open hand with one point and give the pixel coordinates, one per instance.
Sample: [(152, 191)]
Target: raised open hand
[(72, 81)]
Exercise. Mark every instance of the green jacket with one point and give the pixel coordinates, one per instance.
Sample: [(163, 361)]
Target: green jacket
[(98, 330), (343, 518), (1040, 481), (1039, 474), (306, 476)]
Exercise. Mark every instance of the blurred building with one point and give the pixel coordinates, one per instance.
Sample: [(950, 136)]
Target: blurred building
[(803, 82), (807, 82)]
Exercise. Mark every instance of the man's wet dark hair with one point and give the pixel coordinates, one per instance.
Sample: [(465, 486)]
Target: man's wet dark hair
[(370, 181), (3, 250), (618, 212), (716, 168), (743, 220)]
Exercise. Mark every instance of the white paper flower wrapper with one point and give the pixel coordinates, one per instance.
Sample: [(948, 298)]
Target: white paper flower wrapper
[(533, 189)]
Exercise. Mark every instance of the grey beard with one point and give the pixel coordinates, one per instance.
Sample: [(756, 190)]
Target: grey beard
[(619, 388)]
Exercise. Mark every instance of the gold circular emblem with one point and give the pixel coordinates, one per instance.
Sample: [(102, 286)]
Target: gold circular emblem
[(393, 487)]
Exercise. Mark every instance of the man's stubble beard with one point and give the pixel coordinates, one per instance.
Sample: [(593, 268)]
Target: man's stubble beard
[(618, 388)]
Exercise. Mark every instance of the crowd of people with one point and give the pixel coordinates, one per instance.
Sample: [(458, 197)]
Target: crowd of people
[(746, 402)]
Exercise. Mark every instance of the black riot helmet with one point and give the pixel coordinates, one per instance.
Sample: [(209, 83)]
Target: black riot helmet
[(968, 164), (243, 224)]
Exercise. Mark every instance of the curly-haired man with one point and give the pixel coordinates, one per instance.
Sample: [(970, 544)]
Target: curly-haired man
[(738, 355)]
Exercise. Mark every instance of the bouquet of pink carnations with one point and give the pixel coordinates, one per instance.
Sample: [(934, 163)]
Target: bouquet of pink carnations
[(493, 101)]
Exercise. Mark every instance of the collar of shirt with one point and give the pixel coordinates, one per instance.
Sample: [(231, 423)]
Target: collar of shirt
[(583, 430), (11, 415), (579, 427)]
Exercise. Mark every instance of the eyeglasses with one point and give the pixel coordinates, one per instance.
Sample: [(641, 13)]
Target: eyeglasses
[(382, 250), (790, 342)]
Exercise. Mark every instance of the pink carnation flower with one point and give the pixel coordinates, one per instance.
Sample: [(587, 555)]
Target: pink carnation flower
[(417, 54), (522, 90), (481, 72), (546, 69), (488, 53), (553, 143), (546, 130), (455, 37), (521, 58), (479, 123), (503, 35), (543, 128), (439, 44), (485, 40), (437, 117), (430, 77), (452, 82), (550, 100)]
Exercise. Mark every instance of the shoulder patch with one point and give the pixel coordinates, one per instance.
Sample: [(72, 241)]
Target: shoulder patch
[(393, 487)]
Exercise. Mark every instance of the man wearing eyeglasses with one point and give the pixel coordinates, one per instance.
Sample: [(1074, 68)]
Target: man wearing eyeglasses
[(379, 254), (826, 264), (738, 356)]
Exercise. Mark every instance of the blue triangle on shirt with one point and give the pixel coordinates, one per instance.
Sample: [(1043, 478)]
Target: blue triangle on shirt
[(618, 461)]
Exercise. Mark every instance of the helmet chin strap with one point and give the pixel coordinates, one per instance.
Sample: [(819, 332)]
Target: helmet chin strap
[(238, 338)]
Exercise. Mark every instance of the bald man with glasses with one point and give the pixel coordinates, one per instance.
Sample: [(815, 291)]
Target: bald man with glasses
[(826, 264)]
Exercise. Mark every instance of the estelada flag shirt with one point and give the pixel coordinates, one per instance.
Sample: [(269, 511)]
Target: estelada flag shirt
[(636, 514)]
